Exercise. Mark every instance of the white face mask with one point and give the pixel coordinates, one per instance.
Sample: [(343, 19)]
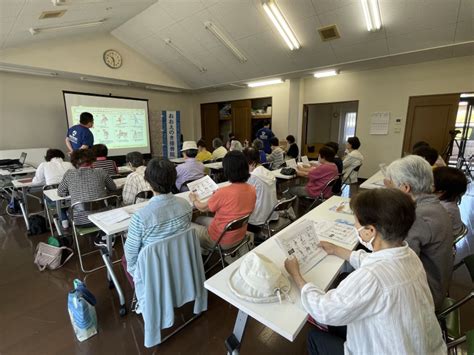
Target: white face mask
[(368, 244)]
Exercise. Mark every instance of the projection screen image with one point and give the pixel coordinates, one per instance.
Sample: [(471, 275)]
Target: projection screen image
[(119, 123)]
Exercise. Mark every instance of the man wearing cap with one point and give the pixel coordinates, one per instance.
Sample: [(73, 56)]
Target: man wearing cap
[(191, 169)]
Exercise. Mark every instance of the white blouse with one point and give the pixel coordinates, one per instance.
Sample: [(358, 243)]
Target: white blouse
[(386, 304), (51, 172)]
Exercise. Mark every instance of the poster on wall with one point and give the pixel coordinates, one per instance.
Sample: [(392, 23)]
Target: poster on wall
[(379, 122), (171, 129)]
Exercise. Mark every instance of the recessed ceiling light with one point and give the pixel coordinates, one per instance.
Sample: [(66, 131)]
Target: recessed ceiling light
[(255, 84), (325, 73)]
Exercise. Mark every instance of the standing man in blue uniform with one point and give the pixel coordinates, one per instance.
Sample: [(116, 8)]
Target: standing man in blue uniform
[(265, 134), (80, 135)]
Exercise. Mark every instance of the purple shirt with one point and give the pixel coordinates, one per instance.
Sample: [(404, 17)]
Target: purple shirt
[(190, 170)]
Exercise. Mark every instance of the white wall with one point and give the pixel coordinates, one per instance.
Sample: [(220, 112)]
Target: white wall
[(280, 105), (32, 110), (84, 54), (389, 90)]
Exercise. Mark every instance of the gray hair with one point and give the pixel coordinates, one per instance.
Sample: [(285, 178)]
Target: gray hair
[(236, 145), (216, 143), (257, 144), (135, 159), (413, 171)]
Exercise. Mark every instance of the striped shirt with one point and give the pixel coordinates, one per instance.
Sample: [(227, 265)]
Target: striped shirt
[(164, 216), (134, 184), (386, 304), (85, 184), (108, 165), (277, 157)]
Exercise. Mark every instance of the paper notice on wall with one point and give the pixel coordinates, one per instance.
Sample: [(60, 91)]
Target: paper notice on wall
[(379, 122)]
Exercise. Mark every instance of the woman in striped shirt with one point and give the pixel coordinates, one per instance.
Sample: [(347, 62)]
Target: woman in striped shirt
[(100, 152)]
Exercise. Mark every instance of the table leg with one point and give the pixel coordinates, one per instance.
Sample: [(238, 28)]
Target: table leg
[(234, 341), (58, 214), (24, 206), (111, 274)]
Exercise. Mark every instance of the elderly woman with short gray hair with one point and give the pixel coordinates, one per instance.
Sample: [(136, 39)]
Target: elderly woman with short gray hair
[(431, 234)]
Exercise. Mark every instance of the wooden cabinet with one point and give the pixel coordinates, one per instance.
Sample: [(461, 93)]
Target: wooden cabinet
[(209, 123), (242, 117)]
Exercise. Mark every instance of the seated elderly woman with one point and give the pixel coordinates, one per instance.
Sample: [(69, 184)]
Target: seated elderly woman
[(164, 216), (386, 302), (431, 235), (352, 160)]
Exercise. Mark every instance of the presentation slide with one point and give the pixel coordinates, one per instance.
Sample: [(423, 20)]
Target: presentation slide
[(119, 123)]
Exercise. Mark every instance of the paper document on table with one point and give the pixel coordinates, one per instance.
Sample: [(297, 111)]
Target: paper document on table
[(342, 207), (203, 188), (305, 160), (335, 232), (291, 163), (302, 242), (113, 216)]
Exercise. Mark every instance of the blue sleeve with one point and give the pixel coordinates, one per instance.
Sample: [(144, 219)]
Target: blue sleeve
[(133, 244)]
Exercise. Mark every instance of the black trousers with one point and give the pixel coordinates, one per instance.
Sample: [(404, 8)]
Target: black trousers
[(326, 343)]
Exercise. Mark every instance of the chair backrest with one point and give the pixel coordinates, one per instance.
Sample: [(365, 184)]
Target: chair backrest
[(234, 225), (328, 186), (184, 186), (460, 235), (96, 205), (268, 165), (281, 205), (207, 161), (145, 195), (50, 187), (218, 160), (356, 169)]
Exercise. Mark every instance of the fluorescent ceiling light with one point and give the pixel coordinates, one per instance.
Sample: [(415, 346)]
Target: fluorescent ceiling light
[(372, 15), (279, 21), (35, 31), (467, 95), (170, 43), (326, 73), (77, 2), (160, 88), (27, 71), (104, 81), (225, 41), (264, 83)]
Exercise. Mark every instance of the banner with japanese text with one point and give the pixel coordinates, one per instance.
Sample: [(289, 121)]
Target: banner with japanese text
[(171, 128)]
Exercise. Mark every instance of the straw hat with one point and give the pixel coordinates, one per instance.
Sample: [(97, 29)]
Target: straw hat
[(259, 280)]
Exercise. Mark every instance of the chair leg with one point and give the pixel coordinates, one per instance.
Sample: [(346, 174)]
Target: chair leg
[(80, 255), (222, 258)]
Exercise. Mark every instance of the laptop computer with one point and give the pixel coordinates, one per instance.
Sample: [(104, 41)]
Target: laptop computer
[(17, 163)]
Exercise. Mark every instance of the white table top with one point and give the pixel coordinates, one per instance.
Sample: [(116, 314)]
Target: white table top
[(25, 170), (215, 166), (53, 193), (286, 318), (277, 173), (177, 160), (374, 182), (123, 225), (124, 169)]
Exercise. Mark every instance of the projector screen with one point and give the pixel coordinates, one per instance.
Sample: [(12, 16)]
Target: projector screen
[(119, 123)]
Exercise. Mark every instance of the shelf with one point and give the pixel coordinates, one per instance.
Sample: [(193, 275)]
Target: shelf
[(261, 117)]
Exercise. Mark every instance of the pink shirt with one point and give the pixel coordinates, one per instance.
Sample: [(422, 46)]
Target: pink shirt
[(318, 177), (229, 203)]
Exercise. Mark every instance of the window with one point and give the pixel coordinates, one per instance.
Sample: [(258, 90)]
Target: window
[(349, 125)]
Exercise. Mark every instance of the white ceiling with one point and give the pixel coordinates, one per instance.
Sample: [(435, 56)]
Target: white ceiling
[(408, 25), (17, 16)]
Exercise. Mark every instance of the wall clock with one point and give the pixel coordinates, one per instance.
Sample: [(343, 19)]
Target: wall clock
[(112, 59)]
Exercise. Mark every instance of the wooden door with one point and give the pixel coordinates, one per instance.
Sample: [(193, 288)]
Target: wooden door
[(209, 123), (430, 118), (241, 119)]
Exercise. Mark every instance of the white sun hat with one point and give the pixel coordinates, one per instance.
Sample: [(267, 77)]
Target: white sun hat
[(259, 280), (189, 145)]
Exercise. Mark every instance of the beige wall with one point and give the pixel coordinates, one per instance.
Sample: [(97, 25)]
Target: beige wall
[(280, 104), (389, 90), (83, 55), (32, 110)]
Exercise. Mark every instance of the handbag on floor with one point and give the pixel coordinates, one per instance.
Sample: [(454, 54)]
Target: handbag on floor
[(81, 308), (49, 256)]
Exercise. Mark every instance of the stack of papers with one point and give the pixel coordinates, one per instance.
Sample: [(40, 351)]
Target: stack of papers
[(113, 216), (203, 188), (305, 160), (291, 163), (302, 242)]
